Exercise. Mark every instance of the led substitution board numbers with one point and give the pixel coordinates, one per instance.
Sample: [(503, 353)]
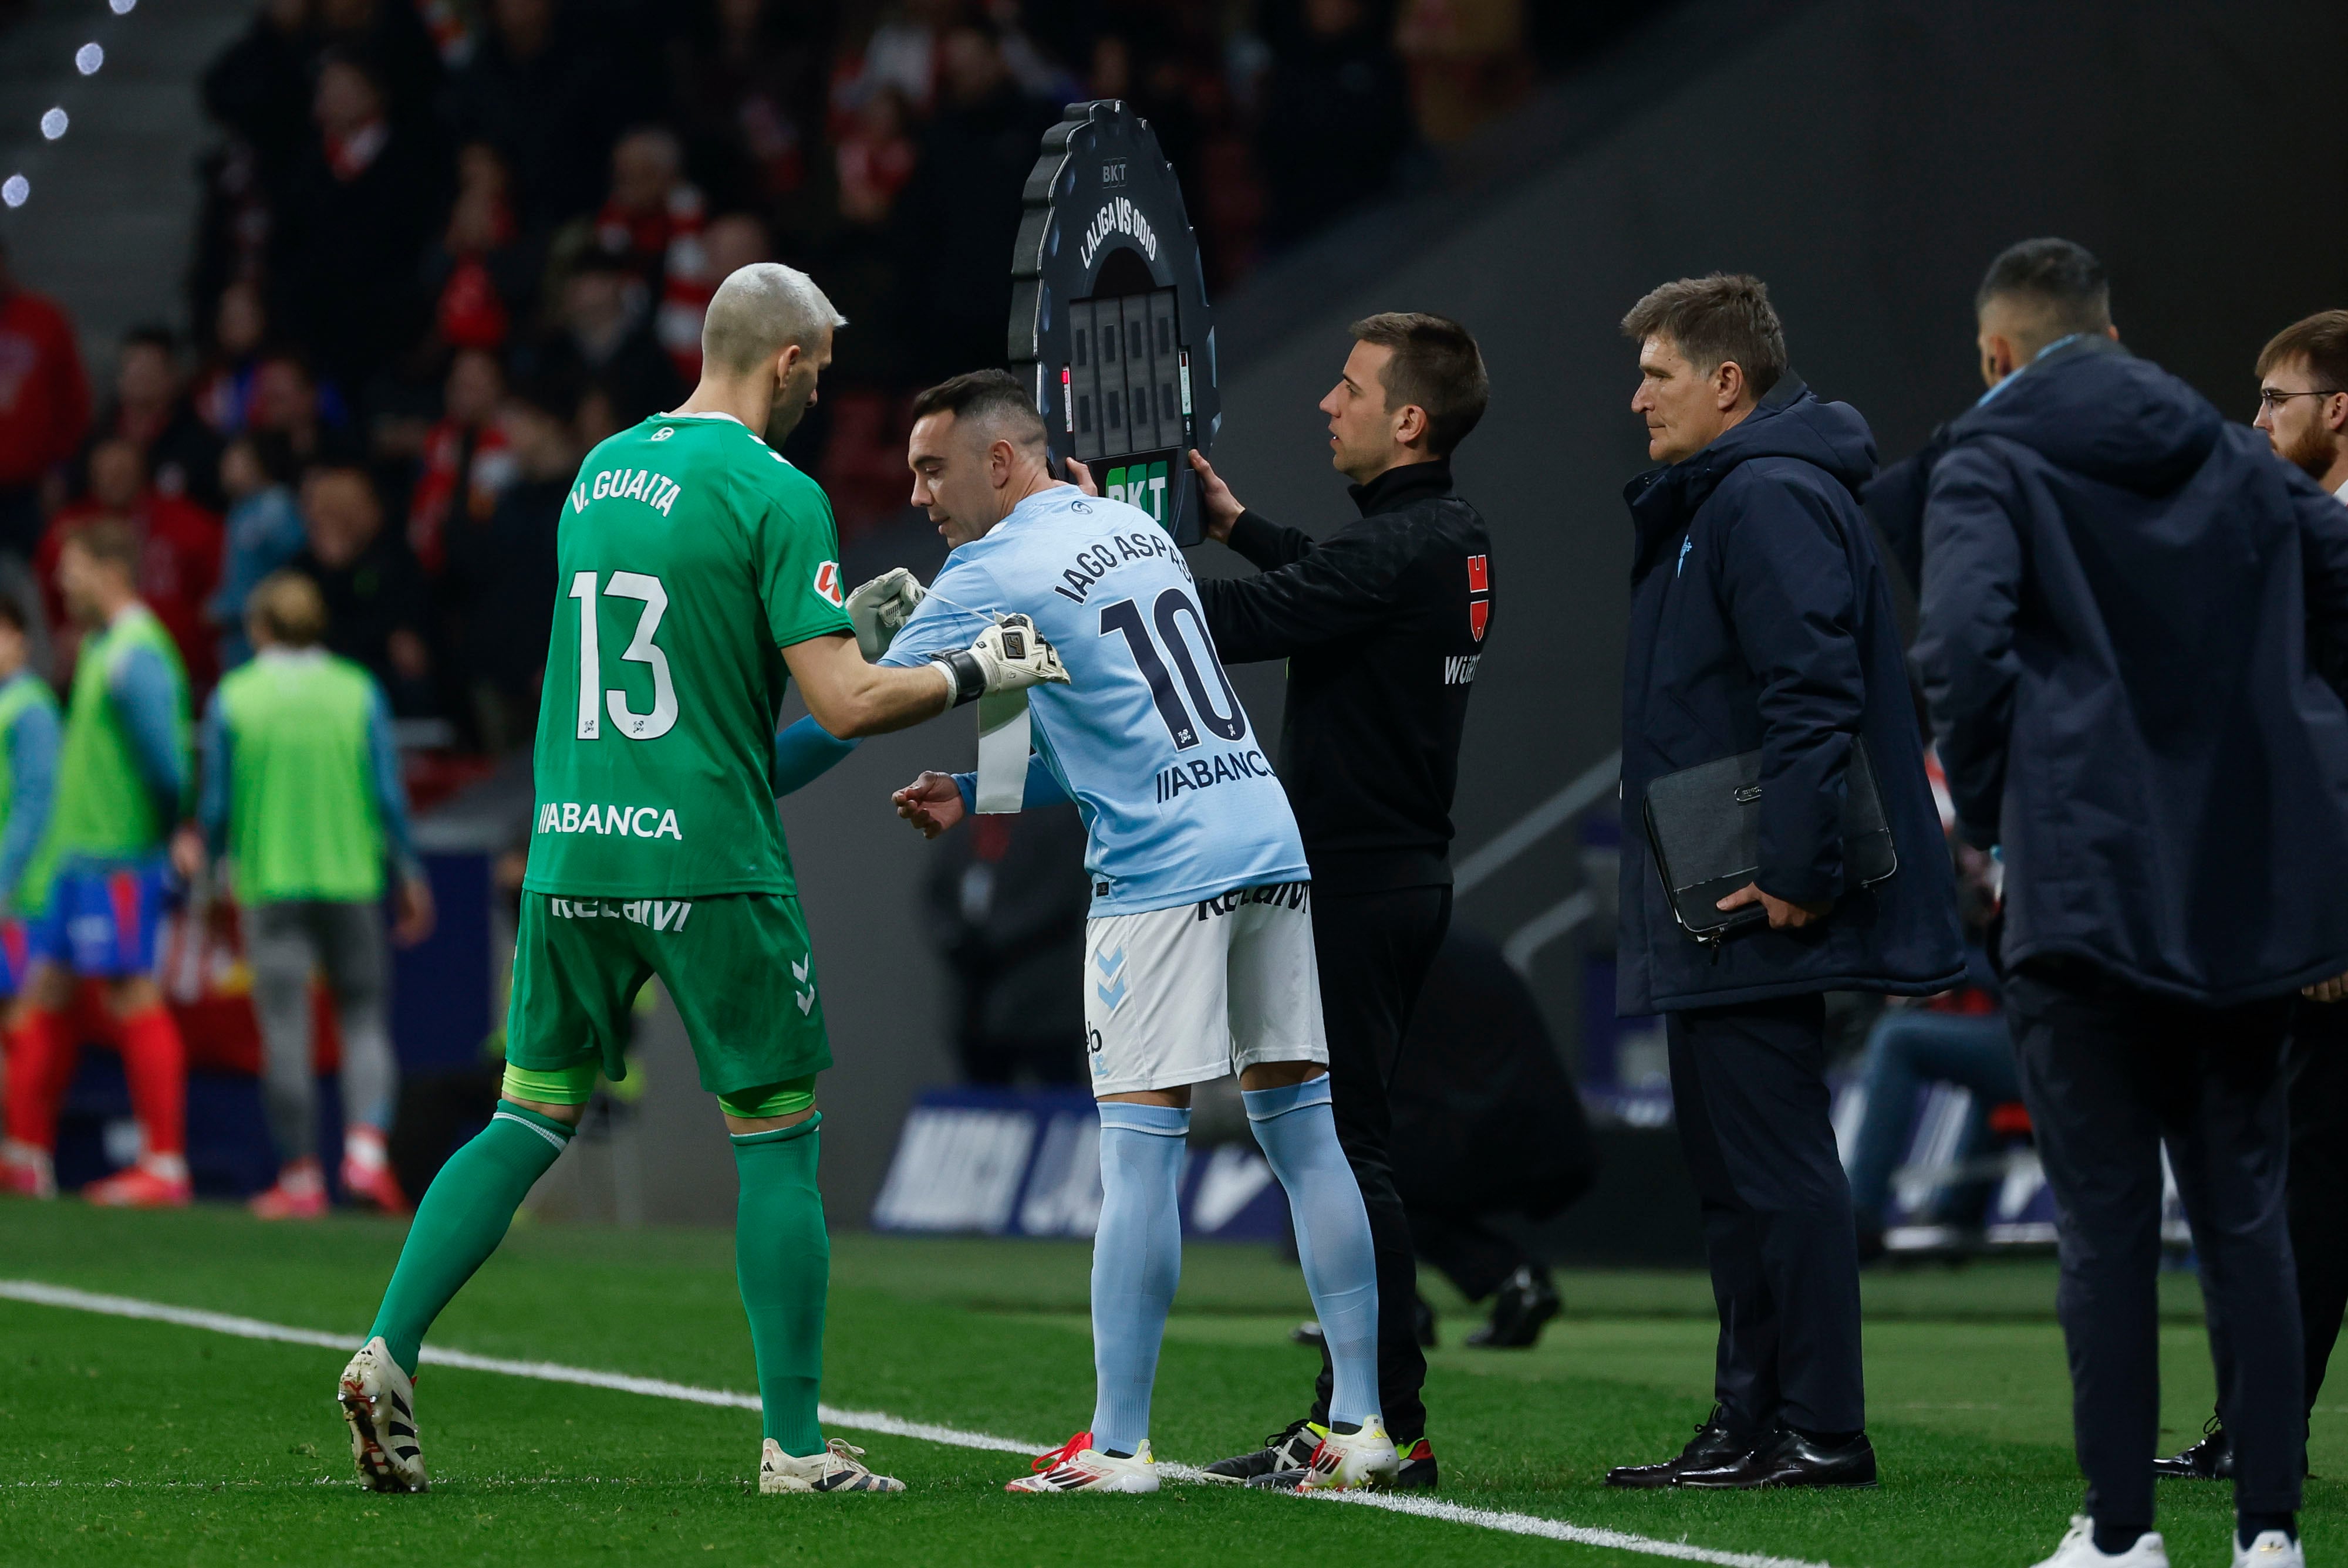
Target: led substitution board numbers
[(1110, 325)]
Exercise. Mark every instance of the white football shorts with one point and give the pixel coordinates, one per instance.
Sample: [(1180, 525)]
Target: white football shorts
[(1185, 995)]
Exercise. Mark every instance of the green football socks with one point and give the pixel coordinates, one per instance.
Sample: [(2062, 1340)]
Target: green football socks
[(782, 1257), (464, 1215)]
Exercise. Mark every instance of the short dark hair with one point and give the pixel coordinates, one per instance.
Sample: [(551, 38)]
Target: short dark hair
[(2321, 340), (984, 395), (14, 616), (1714, 320), (2062, 280), (1437, 367), (109, 540)]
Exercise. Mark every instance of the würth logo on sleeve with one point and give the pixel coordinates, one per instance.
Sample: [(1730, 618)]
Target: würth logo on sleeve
[(827, 584), (1479, 585)]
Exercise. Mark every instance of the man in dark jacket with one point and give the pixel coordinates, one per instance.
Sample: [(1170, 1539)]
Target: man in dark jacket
[(1760, 621), (1381, 624), (2303, 409), (2125, 606)]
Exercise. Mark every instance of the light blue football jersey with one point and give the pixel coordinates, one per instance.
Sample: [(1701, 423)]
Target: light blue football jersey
[(1178, 800)]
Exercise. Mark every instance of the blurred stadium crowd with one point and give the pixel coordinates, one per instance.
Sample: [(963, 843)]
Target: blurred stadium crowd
[(444, 247)]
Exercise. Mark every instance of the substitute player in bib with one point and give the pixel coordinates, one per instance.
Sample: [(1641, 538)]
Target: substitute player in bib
[(121, 777), (301, 796), (30, 738), (697, 574), (1198, 952)]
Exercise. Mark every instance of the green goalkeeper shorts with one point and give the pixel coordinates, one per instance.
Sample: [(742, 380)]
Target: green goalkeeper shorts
[(736, 966)]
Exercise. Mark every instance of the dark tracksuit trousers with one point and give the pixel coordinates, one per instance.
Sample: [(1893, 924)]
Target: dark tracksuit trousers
[(1374, 950), (2110, 1073), (2319, 1177), (1749, 1094)]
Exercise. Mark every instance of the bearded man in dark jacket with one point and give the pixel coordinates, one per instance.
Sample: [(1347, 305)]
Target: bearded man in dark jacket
[(2128, 610), (1760, 621)]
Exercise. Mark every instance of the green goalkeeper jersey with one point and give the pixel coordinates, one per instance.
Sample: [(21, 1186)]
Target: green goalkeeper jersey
[(689, 553)]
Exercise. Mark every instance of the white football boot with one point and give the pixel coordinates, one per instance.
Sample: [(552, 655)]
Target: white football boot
[(2078, 1550), (379, 1403), (840, 1467), (1346, 1461), (2272, 1549), (1076, 1466)]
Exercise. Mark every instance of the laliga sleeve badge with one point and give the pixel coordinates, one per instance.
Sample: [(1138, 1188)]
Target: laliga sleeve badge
[(1109, 323)]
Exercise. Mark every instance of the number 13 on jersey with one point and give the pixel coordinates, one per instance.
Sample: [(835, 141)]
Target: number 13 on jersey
[(593, 700)]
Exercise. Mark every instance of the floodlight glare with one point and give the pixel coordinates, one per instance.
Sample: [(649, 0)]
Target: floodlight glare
[(120, 8), (54, 123), (14, 190), (87, 58)]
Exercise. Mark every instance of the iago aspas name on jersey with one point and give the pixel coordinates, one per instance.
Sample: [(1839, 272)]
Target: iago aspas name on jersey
[(1097, 561)]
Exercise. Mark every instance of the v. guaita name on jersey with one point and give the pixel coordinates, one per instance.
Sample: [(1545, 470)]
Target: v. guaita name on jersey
[(658, 491)]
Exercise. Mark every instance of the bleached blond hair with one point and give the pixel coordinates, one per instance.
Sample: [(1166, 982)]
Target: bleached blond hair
[(761, 309)]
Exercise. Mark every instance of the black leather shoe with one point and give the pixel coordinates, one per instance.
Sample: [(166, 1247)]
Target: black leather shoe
[(1787, 1458), (1290, 1449), (1526, 1300), (1713, 1444), (2211, 1459)]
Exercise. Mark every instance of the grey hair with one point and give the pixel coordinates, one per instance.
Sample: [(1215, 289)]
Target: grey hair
[(761, 309)]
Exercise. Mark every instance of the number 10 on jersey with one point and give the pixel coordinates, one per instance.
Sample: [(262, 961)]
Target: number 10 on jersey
[(593, 700)]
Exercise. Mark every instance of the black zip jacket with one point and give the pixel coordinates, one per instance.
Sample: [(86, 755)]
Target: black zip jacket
[(1382, 625)]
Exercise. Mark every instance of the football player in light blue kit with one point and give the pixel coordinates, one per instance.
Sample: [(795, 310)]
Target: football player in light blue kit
[(1199, 951)]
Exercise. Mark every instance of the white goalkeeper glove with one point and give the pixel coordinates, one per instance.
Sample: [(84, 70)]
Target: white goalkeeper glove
[(880, 610), (1006, 657)]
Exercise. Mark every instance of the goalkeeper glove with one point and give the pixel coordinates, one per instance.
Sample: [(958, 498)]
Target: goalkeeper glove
[(879, 608), (1008, 657)]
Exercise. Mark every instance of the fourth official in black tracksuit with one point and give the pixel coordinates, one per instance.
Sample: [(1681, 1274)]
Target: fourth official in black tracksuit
[(1382, 625)]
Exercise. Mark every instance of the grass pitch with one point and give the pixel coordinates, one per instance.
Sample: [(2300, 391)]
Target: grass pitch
[(137, 1443)]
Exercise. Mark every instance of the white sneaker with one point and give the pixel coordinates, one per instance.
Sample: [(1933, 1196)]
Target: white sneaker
[(2272, 1549), (2078, 1550), (379, 1403), (1344, 1460), (1076, 1466), (840, 1467)]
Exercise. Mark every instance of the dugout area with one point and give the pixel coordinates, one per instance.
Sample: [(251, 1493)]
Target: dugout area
[(129, 1441)]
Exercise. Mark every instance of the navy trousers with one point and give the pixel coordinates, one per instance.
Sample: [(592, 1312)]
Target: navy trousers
[(1749, 1093), (2110, 1074)]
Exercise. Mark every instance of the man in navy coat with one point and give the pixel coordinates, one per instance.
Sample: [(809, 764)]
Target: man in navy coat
[(2128, 610), (1760, 621)]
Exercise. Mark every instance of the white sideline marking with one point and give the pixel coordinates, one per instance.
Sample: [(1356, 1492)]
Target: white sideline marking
[(544, 1371), (40, 1295)]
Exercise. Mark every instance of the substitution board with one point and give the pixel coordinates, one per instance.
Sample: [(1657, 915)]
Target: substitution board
[(1109, 323)]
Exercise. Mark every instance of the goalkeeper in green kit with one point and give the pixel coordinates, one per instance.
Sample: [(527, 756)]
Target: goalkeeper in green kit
[(698, 571)]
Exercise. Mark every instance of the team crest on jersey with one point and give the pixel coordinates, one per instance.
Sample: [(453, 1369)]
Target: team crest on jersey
[(827, 583)]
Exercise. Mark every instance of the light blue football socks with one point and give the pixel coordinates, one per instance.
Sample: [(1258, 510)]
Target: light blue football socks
[(1137, 1261), (1297, 1128)]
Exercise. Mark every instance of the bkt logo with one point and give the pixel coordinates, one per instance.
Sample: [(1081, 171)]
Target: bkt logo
[(1113, 173), (827, 583), (1142, 485)]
